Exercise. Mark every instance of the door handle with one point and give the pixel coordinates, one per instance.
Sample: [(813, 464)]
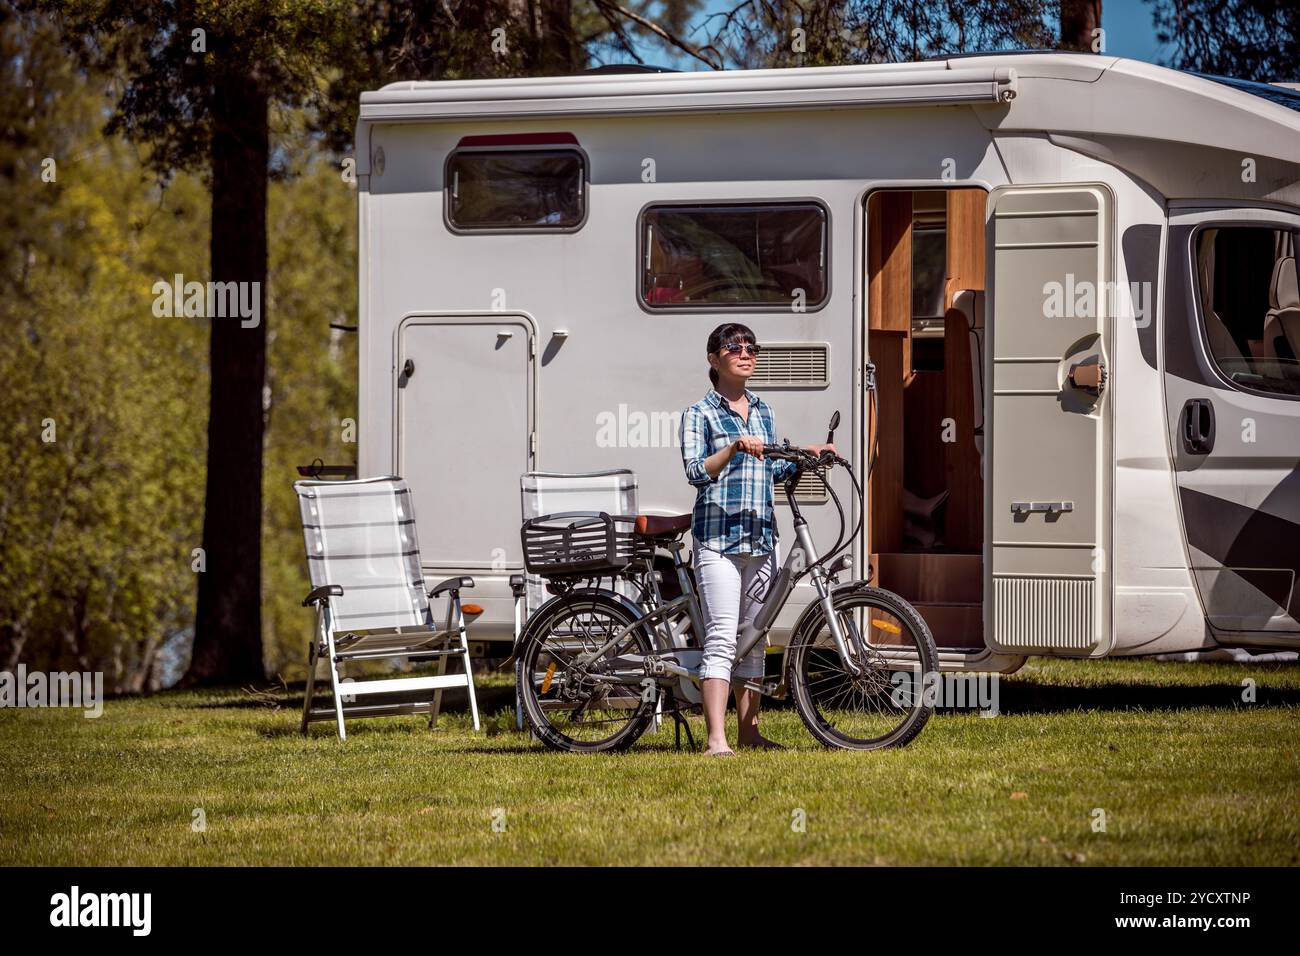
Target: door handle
[(1198, 426), (408, 369), (1090, 377), (1045, 507)]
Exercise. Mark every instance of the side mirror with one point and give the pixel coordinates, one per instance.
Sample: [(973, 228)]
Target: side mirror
[(835, 423)]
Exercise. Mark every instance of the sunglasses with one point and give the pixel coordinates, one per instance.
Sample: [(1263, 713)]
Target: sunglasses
[(737, 347)]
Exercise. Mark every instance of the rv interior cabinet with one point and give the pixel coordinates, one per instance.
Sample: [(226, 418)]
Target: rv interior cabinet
[(926, 248)]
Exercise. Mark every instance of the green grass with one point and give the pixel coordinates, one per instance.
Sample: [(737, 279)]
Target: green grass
[(1185, 772)]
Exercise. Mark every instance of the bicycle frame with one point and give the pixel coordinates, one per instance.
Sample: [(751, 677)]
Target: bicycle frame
[(802, 559)]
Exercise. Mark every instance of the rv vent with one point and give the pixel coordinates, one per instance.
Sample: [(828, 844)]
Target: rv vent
[(810, 489), (792, 365), (1043, 612)]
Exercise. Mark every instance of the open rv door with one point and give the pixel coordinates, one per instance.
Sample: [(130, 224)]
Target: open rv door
[(1047, 524)]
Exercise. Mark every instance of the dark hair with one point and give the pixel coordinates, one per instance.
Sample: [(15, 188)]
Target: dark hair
[(725, 333)]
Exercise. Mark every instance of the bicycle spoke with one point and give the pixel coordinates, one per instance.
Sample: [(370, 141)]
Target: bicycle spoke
[(866, 708), (578, 702)]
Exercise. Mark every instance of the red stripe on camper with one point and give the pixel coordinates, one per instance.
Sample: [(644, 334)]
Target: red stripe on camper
[(520, 139)]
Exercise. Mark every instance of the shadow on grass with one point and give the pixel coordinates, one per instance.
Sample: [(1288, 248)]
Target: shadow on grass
[(1018, 695), (1032, 697)]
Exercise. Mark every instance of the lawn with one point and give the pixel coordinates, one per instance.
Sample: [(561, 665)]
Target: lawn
[(1182, 769)]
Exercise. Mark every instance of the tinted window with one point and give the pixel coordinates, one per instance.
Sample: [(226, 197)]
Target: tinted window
[(733, 254), (515, 189), (1250, 309)]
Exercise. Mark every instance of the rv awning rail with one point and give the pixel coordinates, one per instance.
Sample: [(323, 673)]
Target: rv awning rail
[(920, 84)]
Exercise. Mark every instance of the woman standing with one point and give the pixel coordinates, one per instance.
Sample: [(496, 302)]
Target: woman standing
[(735, 538)]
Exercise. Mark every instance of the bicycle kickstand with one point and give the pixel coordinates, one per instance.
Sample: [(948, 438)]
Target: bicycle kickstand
[(679, 722)]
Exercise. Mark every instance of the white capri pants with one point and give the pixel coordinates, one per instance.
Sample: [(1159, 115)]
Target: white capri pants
[(732, 590)]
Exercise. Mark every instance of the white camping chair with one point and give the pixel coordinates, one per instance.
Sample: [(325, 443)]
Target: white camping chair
[(371, 604), (550, 492)]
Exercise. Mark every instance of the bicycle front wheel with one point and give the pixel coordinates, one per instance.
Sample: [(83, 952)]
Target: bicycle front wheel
[(883, 703), (574, 704)]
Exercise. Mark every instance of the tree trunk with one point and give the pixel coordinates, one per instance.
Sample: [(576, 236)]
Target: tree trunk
[(1078, 19), (557, 45), (227, 633)]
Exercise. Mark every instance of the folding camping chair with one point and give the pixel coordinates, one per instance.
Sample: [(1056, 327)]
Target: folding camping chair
[(371, 604)]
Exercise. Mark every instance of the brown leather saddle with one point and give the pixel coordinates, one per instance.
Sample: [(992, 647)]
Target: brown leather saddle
[(662, 528)]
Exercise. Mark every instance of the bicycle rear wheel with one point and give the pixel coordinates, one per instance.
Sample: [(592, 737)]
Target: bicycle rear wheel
[(572, 707), (884, 704)]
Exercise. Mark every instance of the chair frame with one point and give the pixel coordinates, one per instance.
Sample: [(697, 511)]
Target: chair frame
[(451, 640), (415, 640)]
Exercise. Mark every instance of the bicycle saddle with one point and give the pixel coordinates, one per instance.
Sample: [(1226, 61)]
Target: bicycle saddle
[(657, 526)]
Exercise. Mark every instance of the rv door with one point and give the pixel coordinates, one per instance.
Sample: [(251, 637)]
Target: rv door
[(464, 388), (1047, 507), (1232, 403)]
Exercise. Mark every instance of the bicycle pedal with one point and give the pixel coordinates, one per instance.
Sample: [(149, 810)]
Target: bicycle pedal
[(774, 689)]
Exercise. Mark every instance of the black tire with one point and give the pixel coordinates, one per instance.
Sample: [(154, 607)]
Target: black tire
[(813, 681), (540, 640)]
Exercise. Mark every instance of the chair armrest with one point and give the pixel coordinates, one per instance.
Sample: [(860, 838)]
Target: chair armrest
[(452, 584), (322, 593)]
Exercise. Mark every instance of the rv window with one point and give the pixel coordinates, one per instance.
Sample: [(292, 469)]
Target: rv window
[(1250, 310), (721, 255), (526, 189)]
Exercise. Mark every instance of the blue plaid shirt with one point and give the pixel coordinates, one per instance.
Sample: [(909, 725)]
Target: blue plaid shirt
[(733, 513)]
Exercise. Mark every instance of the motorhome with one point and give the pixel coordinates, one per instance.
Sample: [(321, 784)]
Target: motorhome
[(1072, 278)]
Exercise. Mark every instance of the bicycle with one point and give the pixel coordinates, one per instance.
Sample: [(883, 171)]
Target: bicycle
[(596, 666)]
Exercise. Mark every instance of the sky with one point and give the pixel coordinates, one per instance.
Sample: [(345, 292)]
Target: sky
[(1128, 26)]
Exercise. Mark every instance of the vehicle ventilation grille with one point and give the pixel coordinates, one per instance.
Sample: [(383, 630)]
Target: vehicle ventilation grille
[(1043, 612), (792, 366), (810, 489)]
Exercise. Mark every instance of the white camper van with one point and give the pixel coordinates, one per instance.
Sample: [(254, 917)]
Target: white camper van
[(1073, 276)]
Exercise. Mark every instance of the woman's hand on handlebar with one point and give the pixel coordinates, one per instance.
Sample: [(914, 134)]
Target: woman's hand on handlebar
[(819, 451), (749, 445)]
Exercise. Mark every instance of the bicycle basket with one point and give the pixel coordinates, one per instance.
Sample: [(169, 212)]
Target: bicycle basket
[(579, 544)]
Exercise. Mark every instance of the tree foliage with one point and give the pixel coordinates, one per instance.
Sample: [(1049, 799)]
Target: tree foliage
[(100, 488), (787, 33), (1246, 39)]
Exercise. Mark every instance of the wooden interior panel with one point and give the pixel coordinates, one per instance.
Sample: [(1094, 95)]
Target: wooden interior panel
[(965, 253), (889, 266), (945, 588), (924, 408)]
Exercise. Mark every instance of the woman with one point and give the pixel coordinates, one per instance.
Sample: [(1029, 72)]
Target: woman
[(735, 537)]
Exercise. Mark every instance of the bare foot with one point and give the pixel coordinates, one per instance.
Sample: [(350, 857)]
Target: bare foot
[(761, 743), (719, 750)]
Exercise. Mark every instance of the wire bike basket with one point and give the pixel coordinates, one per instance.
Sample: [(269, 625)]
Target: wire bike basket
[(573, 544)]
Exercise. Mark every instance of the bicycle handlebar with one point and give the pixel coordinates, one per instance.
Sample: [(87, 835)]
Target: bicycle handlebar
[(788, 452)]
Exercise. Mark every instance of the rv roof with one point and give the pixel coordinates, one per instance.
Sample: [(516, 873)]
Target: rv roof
[(994, 80), (1136, 115)]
